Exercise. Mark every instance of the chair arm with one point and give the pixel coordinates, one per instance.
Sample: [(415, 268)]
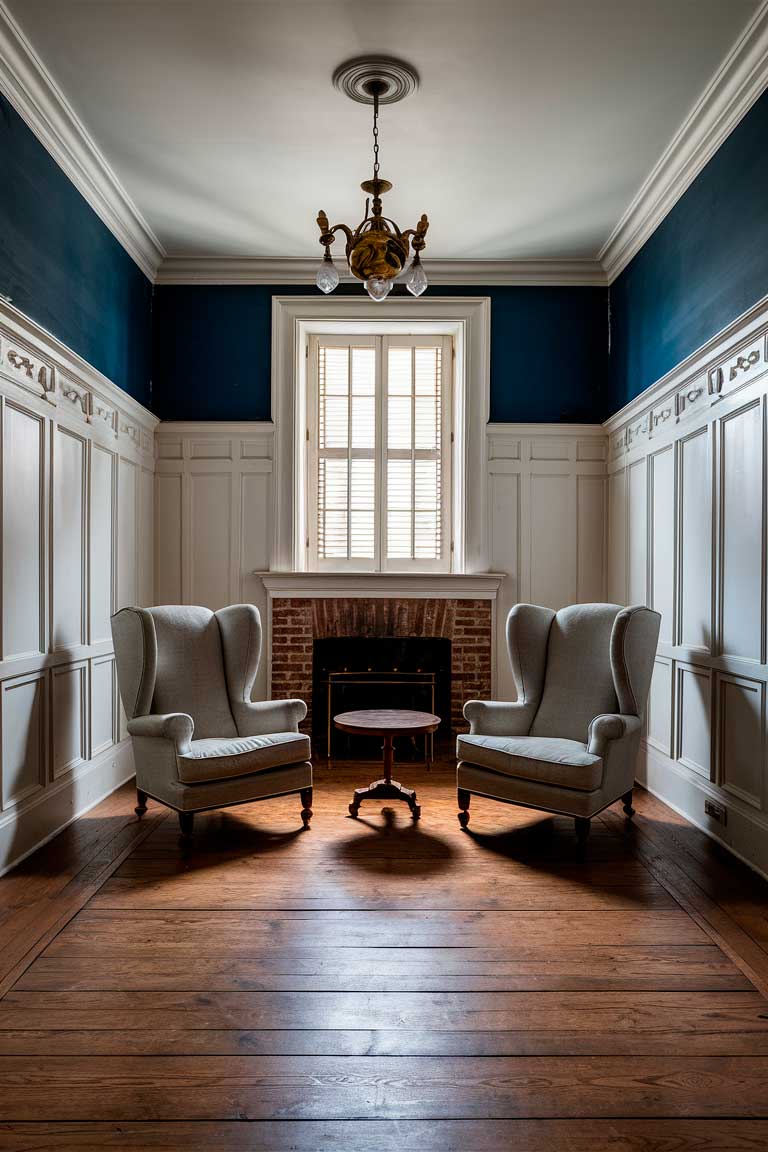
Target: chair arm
[(260, 717), (605, 729), (175, 726), (498, 717)]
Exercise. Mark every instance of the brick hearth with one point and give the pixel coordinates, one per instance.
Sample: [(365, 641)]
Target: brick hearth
[(296, 623)]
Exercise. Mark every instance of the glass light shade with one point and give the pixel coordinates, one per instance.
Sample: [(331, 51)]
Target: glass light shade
[(417, 281), (327, 276), (378, 288)]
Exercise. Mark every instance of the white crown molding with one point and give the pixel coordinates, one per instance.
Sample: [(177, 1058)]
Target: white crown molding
[(292, 270), (30, 88), (736, 85)]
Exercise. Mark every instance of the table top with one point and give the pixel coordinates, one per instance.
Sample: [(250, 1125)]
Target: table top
[(380, 721)]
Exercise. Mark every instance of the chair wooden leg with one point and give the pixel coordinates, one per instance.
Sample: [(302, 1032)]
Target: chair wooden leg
[(141, 802), (583, 824), (187, 824), (627, 800), (464, 798), (306, 809)]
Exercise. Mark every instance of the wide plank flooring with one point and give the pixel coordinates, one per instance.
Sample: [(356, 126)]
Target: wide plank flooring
[(376, 984)]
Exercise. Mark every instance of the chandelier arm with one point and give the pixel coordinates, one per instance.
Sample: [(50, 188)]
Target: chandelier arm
[(342, 228), (328, 233)]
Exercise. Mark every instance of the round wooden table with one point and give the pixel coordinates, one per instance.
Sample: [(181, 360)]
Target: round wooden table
[(387, 723)]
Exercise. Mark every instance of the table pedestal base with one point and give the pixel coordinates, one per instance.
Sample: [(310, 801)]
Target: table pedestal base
[(385, 790)]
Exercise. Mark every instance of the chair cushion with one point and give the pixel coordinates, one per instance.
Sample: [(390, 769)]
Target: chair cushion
[(210, 760), (549, 760)]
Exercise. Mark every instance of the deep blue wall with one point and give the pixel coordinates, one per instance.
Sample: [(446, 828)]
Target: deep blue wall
[(212, 351), (64, 269), (705, 264)]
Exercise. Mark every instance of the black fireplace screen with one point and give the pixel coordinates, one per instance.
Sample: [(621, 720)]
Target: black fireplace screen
[(359, 672)]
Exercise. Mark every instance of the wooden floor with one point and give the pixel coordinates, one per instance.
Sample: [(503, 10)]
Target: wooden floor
[(377, 985)]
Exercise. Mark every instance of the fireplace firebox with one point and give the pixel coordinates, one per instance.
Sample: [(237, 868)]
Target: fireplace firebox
[(350, 673)]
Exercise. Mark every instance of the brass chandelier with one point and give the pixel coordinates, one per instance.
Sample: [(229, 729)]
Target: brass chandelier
[(376, 250)]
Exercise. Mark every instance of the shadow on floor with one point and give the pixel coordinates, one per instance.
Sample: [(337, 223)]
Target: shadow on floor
[(395, 837)]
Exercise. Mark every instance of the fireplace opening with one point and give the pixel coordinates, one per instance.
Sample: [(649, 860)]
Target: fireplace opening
[(351, 673)]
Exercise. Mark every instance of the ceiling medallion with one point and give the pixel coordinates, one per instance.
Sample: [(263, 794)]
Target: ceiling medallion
[(376, 250)]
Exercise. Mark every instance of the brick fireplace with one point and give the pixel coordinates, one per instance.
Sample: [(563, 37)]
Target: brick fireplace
[(296, 621)]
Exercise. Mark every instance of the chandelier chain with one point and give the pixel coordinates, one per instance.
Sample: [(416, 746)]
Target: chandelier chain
[(376, 136)]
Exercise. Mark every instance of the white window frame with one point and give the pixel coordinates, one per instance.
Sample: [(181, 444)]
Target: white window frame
[(380, 562), (467, 321)]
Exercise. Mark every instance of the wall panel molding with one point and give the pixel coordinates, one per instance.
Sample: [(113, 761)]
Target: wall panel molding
[(214, 514), (705, 544), (77, 468)]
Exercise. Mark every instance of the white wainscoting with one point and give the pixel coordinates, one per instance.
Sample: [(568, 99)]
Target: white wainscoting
[(214, 515), (546, 516), (547, 519), (77, 541), (687, 534)]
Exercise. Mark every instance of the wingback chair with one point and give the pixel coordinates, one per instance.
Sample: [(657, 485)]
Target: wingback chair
[(569, 743), (186, 676)]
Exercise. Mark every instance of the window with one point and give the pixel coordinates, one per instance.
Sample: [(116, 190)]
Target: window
[(379, 452)]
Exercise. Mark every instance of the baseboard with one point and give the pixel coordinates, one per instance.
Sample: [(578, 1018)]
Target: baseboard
[(25, 830), (744, 836)]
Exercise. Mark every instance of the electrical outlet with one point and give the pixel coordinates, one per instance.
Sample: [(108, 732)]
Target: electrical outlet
[(716, 811)]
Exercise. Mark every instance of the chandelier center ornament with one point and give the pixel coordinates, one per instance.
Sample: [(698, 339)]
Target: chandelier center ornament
[(377, 251)]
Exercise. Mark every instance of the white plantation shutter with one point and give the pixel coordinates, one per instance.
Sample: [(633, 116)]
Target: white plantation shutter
[(379, 452), (414, 451)]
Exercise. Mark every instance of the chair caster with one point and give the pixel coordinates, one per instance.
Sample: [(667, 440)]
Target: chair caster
[(464, 819), (353, 811), (464, 798)]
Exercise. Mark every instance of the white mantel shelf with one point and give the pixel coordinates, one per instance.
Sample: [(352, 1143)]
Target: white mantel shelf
[(390, 585)]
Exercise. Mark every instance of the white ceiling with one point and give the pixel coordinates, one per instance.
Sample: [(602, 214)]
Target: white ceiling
[(536, 121)]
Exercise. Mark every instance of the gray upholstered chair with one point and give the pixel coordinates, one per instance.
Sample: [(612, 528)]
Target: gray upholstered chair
[(569, 743), (186, 676)]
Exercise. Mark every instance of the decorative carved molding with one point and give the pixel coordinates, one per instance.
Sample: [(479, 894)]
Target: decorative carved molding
[(715, 381), (20, 363), (131, 431), (744, 363), (685, 399), (102, 413), (26, 368), (34, 360), (77, 396), (728, 362)]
